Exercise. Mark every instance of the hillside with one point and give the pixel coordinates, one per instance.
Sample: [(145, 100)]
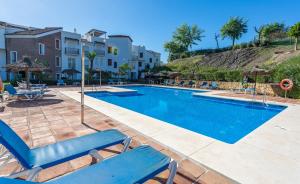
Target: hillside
[(241, 58)]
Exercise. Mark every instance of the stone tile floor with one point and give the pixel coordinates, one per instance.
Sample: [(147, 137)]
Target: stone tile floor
[(57, 117)]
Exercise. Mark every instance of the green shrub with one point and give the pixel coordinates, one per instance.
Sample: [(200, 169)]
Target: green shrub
[(250, 44), (236, 47), (289, 69), (233, 76), (243, 45)]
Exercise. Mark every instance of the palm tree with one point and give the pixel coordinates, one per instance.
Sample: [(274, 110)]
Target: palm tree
[(124, 69), (91, 56)]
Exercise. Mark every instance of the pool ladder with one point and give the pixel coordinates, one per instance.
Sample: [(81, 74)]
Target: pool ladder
[(264, 99), (94, 88)]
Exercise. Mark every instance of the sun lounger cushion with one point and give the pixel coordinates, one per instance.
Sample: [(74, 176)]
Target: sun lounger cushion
[(13, 143), (59, 152), (135, 166), (73, 148)]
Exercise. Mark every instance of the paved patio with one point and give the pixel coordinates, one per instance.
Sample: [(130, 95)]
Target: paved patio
[(261, 97), (57, 117)]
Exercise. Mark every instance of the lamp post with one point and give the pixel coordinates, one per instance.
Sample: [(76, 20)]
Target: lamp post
[(82, 85)]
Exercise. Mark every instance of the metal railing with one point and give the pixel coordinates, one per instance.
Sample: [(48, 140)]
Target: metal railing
[(72, 51)]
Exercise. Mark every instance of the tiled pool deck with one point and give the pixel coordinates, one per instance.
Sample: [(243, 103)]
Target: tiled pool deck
[(269, 154), (57, 117)]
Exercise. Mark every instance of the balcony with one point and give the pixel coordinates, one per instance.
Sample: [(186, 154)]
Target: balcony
[(137, 58), (100, 52), (71, 51)]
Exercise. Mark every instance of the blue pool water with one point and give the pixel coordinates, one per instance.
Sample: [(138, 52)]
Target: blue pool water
[(225, 120)]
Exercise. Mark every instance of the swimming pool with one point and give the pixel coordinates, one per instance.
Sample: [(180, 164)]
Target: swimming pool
[(221, 119)]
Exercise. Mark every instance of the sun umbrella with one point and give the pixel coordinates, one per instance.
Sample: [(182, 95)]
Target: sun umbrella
[(173, 75), (71, 72), (256, 71), (27, 66)]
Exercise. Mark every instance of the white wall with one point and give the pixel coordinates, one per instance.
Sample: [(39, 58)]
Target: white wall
[(2, 38), (2, 54), (124, 46), (64, 57), (2, 64)]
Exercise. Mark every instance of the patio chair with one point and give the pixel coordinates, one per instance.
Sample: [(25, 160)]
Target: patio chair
[(21, 85), (172, 83), (112, 82), (181, 83), (214, 85), (204, 85), (165, 82), (61, 82), (191, 84), (29, 94), (135, 166), (35, 159), (38, 86)]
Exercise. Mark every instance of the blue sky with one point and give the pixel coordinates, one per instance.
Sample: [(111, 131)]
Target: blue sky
[(149, 22)]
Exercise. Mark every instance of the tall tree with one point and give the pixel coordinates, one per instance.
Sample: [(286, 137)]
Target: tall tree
[(91, 56), (234, 29), (183, 39), (187, 35), (173, 47), (294, 32), (273, 31)]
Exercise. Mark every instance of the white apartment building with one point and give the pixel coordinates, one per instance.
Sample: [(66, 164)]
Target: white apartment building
[(62, 51), (116, 50), (70, 56)]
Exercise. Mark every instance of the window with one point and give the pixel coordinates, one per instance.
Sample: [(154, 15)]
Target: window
[(57, 61), (141, 55), (58, 76), (41, 49), (115, 64), (57, 44), (13, 56), (140, 64), (150, 60), (71, 63), (109, 62), (115, 51), (147, 66), (109, 50)]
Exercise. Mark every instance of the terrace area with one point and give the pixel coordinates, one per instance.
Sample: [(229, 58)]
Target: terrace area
[(56, 117)]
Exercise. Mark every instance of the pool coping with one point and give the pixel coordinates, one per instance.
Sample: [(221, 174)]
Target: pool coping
[(269, 154)]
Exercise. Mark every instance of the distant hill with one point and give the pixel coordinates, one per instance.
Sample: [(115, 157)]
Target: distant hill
[(240, 58)]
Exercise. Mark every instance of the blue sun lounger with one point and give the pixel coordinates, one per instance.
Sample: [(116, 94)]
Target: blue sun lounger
[(135, 166), (29, 94), (36, 159)]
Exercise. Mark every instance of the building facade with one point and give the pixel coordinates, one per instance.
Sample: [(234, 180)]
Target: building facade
[(61, 51)]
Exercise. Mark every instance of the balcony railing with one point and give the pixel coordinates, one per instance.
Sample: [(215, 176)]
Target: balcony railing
[(71, 51)]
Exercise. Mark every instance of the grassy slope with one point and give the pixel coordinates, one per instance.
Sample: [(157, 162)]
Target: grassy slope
[(239, 59)]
